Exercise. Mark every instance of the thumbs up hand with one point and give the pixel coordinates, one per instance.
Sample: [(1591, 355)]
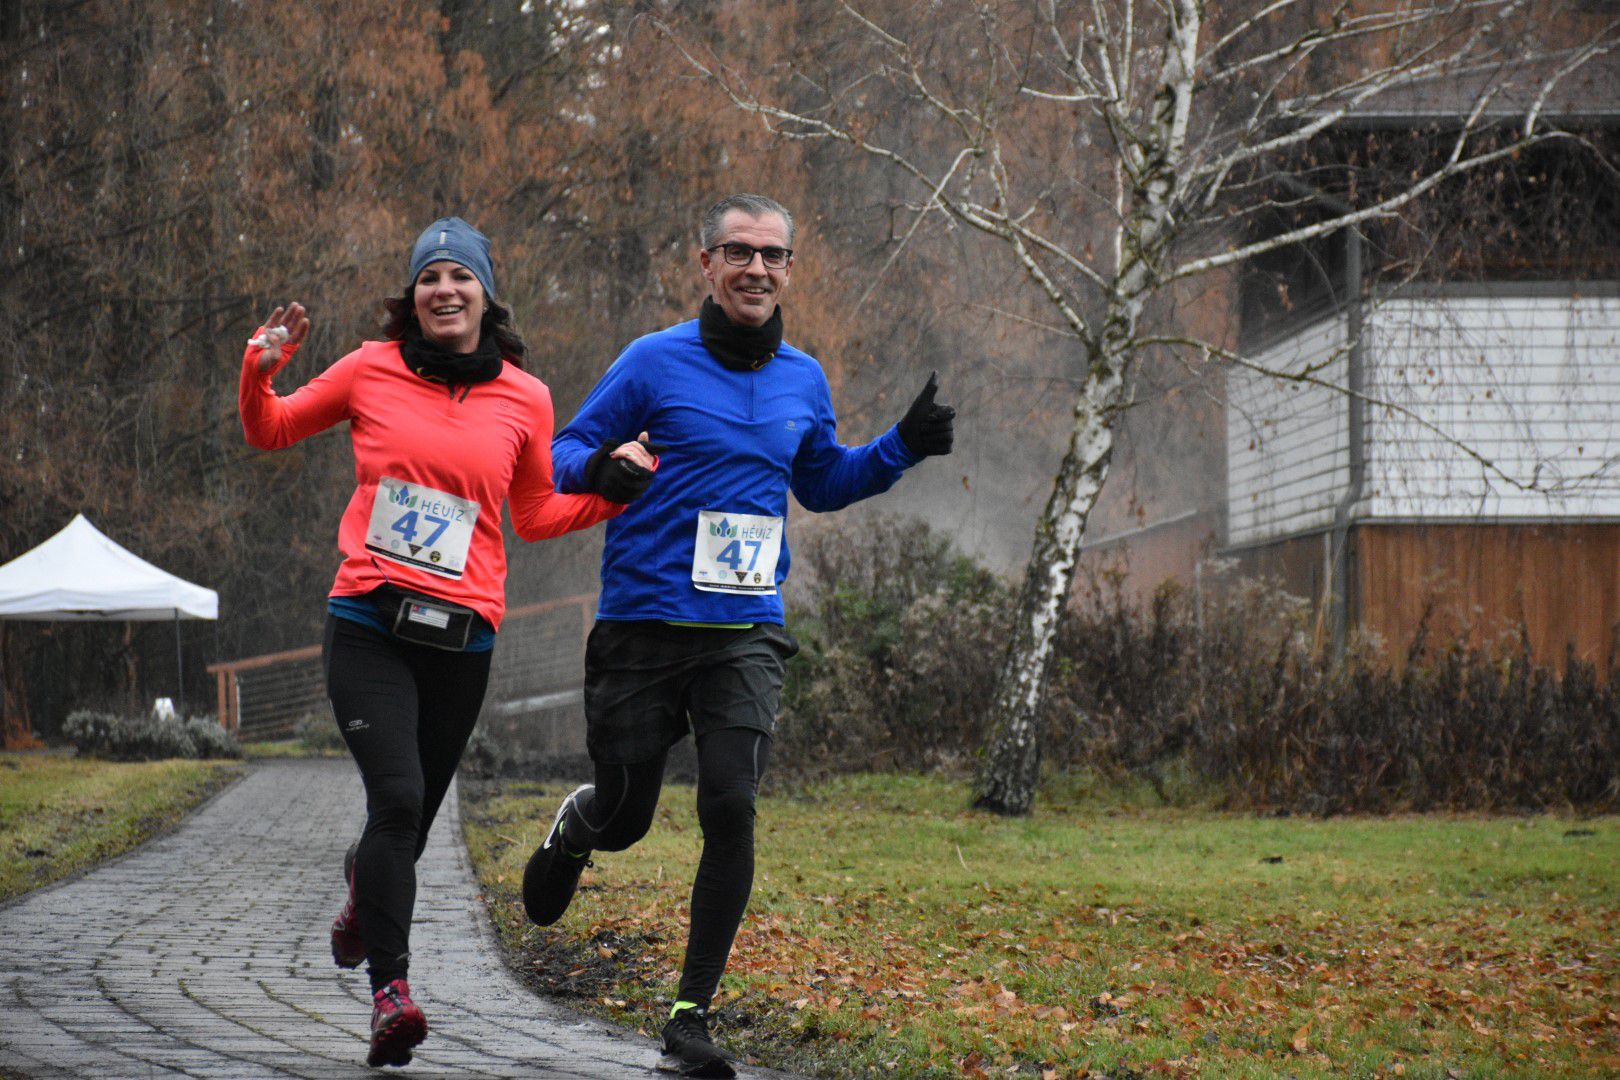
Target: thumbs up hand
[(928, 428)]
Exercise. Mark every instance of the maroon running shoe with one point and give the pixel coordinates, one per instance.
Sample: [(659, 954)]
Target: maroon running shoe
[(397, 1025), (347, 949)]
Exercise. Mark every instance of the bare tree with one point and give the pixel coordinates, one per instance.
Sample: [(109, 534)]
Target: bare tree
[(1117, 150), (165, 180)]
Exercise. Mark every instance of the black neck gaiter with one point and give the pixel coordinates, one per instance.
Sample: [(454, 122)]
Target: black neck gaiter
[(740, 348), (437, 364)]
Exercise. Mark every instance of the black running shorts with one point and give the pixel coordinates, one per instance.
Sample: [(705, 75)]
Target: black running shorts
[(648, 683)]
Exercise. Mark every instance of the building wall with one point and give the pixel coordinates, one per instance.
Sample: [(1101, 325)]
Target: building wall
[(1146, 558), (1529, 382), (1287, 443), (1560, 584), (1526, 376), (1299, 564)]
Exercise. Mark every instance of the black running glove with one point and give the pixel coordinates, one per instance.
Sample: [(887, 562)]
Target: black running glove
[(616, 479), (928, 429)]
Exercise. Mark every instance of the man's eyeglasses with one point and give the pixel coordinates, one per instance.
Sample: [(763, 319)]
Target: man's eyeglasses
[(774, 258)]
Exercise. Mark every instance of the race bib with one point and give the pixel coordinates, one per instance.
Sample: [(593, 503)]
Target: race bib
[(418, 526), (736, 553)]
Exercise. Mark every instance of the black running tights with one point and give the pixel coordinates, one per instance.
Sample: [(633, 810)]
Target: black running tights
[(620, 811), (406, 711)]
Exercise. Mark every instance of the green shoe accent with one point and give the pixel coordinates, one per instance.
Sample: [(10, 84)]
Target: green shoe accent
[(679, 1005), (562, 840)]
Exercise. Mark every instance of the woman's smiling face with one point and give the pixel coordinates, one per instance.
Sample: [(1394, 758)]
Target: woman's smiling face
[(449, 305)]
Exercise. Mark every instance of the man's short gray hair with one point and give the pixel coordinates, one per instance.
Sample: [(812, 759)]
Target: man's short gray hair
[(752, 205)]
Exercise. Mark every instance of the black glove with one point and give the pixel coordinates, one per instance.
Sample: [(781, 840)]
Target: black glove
[(927, 429), (616, 479)]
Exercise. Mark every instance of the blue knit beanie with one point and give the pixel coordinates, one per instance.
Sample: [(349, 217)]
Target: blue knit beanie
[(456, 241)]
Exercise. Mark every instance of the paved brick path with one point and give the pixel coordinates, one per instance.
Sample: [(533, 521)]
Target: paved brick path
[(205, 954)]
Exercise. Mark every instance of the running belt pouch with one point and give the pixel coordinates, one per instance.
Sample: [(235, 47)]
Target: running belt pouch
[(427, 620)]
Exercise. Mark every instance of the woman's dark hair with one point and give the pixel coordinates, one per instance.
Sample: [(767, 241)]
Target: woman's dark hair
[(496, 324)]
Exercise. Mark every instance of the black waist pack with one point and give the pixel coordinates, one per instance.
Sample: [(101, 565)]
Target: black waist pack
[(426, 620)]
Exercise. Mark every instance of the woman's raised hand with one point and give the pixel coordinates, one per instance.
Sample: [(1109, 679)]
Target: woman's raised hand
[(283, 332)]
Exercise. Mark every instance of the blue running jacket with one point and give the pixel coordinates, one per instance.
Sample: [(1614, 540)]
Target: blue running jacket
[(735, 443)]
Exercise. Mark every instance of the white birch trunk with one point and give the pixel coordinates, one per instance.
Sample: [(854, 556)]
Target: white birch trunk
[(1010, 772), (1011, 768)]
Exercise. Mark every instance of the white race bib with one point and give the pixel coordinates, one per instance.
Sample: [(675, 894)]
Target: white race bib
[(736, 553), (418, 526)]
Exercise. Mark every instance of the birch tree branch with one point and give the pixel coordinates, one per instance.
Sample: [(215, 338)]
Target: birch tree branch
[(1383, 208)]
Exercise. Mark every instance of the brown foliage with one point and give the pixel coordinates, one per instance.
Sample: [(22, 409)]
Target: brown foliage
[(901, 636), (174, 168)]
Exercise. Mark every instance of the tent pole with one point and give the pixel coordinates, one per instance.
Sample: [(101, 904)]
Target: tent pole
[(180, 670)]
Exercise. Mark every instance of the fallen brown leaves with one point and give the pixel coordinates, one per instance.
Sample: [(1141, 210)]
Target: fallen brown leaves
[(1318, 984), (1055, 981)]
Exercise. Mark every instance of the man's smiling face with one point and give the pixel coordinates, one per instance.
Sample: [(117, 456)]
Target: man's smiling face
[(747, 294)]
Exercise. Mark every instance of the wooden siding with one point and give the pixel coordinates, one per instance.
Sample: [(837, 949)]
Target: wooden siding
[(1298, 564), (1286, 443), (1531, 383), (1560, 583)]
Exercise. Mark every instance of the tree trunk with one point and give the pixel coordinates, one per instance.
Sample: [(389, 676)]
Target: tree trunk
[(1012, 762)]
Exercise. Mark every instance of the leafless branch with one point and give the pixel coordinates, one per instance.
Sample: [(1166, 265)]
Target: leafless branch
[(1598, 47), (1383, 208), (1308, 377), (1071, 316), (932, 204)]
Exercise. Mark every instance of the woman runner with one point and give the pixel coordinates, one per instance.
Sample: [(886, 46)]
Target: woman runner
[(446, 426)]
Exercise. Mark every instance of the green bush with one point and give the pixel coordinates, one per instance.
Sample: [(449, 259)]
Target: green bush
[(147, 738), (899, 636), (211, 740), (318, 733)]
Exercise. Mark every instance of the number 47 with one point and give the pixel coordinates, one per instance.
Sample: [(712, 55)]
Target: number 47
[(406, 527), (731, 554)]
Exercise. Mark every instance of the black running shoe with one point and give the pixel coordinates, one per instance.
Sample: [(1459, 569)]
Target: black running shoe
[(553, 872), (347, 948), (690, 1051)]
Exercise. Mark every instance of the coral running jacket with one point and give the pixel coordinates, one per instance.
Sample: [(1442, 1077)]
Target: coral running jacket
[(432, 464)]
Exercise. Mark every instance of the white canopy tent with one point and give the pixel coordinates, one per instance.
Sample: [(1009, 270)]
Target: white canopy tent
[(79, 575)]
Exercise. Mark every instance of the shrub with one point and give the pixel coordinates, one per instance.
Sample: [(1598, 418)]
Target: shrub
[(1137, 688), (899, 636), (901, 639), (211, 740), (318, 733), (147, 738), (1462, 729), (91, 729)]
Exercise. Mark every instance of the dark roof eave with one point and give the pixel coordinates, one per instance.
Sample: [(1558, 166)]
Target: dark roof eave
[(1415, 121)]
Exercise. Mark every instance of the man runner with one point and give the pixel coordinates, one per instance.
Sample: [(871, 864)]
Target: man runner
[(689, 633)]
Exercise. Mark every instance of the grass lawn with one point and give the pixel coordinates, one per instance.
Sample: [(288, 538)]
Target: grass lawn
[(59, 814), (290, 748), (893, 932)]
